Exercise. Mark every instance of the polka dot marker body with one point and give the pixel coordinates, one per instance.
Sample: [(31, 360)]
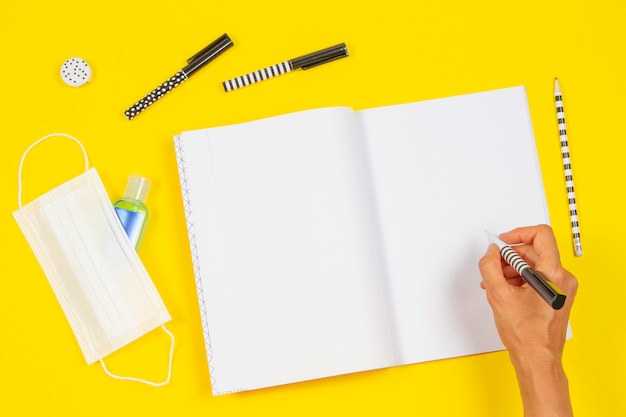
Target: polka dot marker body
[(194, 63)]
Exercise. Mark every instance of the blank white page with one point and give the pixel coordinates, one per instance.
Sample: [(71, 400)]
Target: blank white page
[(442, 172), (289, 280)]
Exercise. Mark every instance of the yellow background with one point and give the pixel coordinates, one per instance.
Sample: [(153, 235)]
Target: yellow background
[(400, 52)]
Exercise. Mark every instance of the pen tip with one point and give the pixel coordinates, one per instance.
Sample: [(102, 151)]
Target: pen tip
[(493, 238)]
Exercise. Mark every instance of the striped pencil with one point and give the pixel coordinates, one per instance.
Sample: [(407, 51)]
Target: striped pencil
[(567, 168)]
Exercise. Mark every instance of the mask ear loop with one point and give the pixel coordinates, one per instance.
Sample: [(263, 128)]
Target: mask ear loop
[(19, 170), (143, 381)]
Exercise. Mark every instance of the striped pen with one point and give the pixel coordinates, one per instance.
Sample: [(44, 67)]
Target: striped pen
[(567, 168), (305, 62), (537, 280)]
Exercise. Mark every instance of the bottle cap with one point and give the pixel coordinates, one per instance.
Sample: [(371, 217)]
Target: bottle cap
[(137, 187), (75, 72)]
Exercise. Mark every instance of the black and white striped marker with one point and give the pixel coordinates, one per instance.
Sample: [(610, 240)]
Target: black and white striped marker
[(567, 169), (544, 287), (304, 62), (257, 76)]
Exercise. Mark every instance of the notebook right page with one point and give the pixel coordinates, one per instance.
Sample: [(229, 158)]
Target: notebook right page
[(442, 171)]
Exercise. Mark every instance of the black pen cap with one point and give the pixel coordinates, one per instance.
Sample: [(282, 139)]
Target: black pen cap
[(320, 57), (207, 54)]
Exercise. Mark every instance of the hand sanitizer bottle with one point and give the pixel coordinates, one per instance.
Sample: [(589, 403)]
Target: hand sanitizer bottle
[(132, 210)]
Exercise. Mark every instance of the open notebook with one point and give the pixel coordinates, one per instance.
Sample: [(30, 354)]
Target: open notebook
[(332, 241)]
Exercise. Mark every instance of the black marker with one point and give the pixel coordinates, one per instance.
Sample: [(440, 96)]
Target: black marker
[(305, 62), (546, 289), (194, 64)]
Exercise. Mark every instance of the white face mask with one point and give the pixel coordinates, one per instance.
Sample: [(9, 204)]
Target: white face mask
[(102, 286)]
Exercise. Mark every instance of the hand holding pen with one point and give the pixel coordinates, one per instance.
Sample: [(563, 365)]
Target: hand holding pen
[(304, 62), (533, 333), (194, 64), (536, 279)]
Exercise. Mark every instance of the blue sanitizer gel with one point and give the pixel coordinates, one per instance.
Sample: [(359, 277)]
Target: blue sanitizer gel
[(132, 210)]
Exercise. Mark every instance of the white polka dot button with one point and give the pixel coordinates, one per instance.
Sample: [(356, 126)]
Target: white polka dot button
[(75, 72)]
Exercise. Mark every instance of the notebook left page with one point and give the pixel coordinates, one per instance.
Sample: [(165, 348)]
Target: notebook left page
[(282, 235)]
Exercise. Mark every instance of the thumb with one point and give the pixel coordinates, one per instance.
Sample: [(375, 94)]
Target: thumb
[(490, 266)]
